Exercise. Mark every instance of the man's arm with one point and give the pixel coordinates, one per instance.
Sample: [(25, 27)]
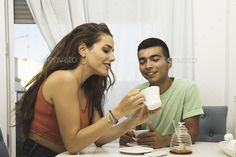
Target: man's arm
[(192, 105), (192, 125)]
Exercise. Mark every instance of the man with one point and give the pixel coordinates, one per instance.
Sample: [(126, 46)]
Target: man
[(180, 101)]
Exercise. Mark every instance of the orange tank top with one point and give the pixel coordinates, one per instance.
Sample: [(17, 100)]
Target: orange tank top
[(45, 123)]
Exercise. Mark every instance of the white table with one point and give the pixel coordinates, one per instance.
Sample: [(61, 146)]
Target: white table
[(200, 149)]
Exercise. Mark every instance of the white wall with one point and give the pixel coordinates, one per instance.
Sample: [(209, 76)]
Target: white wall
[(231, 81), (3, 91), (209, 49), (214, 44)]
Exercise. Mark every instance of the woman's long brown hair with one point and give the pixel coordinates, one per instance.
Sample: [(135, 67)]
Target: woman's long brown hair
[(65, 56)]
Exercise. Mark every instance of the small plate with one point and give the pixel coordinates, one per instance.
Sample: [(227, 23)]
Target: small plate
[(136, 150)]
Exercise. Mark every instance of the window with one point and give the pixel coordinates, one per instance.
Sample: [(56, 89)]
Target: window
[(30, 53)]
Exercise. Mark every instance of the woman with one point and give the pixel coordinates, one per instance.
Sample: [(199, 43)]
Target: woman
[(62, 108)]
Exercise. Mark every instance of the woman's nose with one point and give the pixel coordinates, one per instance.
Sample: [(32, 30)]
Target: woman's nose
[(112, 57)]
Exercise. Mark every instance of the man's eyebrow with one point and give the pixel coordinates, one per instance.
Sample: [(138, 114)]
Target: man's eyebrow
[(155, 55)]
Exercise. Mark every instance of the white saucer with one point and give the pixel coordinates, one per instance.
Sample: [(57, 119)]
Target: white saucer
[(135, 150)]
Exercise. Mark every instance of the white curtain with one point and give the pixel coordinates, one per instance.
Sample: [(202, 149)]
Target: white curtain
[(130, 21), (56, 18), (134, 20)]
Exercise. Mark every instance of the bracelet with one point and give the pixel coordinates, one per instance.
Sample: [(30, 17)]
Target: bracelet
[(113, 117), (110, 120)]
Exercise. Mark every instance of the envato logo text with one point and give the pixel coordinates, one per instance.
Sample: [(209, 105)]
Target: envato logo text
[(62, 60), (184, 60)]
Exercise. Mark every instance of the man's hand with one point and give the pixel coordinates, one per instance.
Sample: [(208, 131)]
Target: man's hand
[(126, 138), (153, 139)]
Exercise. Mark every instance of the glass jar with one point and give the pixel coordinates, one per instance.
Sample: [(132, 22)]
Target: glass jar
[(181, 141)]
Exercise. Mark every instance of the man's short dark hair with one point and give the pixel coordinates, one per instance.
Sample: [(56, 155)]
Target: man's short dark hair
[(151, 42)]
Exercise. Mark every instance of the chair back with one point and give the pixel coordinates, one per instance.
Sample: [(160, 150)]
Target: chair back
[(212, 125), (3, 148)]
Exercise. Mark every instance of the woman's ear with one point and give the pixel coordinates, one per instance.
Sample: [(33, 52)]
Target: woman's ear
[(82, 49)]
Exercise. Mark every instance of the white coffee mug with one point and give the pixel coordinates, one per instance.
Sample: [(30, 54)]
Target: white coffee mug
[(152, 97)]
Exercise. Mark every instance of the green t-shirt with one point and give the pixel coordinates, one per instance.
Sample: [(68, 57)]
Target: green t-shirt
[(179, 102)]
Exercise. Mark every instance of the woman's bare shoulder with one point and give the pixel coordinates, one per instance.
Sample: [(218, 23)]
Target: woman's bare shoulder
[(59, 80), (61, 76)]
